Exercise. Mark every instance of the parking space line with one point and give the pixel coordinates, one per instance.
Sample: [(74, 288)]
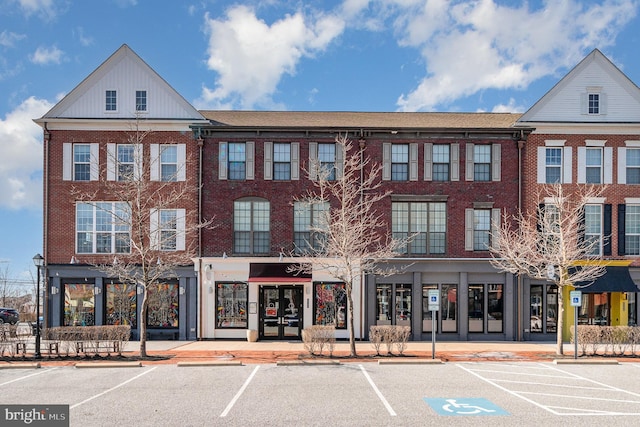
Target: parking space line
[(549, 384), (375, 388), (560, 410), (570, 396), (27, 376), (609, 387), (112, 388), (239, 393), (533, 402), (524, 374)]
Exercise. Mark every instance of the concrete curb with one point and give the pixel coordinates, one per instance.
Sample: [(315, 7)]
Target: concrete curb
[(585, 361), (409, 361), (211, 363), (108, 365), (26, 365), (306, 362)]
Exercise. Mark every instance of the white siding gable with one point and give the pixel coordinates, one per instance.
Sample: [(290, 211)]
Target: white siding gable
[(125, 72), (566, 101)]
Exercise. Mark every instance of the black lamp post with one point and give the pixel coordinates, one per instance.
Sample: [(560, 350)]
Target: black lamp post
[(38, 260)]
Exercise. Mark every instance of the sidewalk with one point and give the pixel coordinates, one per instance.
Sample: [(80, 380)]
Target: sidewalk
[(273, 351), (240, 351)]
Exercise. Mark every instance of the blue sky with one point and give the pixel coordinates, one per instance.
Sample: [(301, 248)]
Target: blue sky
[(351, 55)]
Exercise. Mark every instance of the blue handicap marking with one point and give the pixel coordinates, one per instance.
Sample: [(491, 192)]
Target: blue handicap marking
[(464, 406)]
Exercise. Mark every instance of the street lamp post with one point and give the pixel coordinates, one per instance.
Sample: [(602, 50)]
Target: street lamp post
[(38, 260)]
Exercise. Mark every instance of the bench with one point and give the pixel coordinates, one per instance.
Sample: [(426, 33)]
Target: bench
[(172, 334)]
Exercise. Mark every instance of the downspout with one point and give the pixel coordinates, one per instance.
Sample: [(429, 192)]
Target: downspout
[(45, 221), (520, 284), (200, 276), (362, 143)]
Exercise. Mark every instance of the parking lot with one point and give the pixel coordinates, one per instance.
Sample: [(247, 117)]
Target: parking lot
[(474, 393)]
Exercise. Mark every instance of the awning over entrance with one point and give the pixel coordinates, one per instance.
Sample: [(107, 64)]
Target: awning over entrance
[(616, 279), (281, 272)]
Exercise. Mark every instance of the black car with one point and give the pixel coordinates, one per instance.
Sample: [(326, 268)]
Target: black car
[(9, 315)]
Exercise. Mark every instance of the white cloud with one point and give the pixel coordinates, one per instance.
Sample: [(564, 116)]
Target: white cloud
[(84, 40), (251, 57), (468, 47), (45, 9), (44, 56), (21, 154), (8, 38)]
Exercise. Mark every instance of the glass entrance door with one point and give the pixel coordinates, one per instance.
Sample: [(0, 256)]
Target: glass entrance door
[(280, 312)]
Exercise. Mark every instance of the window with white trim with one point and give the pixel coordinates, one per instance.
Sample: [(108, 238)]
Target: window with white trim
[(593, 165), (400, 162), (481, 223), (594, 103), (425, 221), (111, 100), (169, 163), (237, 160), (141, 100), (593, 227), (281, 161), (251, 226), (633, 166), (327, 160), (81, 162), (103, 228), (126, 161), (481, 229), (632, 230), (168, 228), (308, 216), (481, 162), (441, 162), (553, 165)]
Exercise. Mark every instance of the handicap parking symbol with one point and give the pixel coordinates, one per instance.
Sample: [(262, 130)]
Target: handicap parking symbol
[(464, 406)]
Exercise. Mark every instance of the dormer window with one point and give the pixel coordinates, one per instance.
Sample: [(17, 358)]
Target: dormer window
[(594, 103), (141, 100), (111, 101)]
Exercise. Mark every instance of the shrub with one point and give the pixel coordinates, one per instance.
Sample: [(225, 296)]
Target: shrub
[(390, 335), (316, 337)]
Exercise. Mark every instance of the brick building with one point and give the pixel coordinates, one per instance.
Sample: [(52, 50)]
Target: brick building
[(451, 176), (587, 132)]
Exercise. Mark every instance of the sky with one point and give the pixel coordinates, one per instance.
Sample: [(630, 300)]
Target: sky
[(350, 55)]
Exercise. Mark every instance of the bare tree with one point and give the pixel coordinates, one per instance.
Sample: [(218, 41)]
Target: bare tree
[(351, 237), (548, 243), (155, 233)]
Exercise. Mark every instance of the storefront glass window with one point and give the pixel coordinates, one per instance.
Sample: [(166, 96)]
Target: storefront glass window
[(476, 308), (494, 302), (231, 310), (163, 305), (121, 305), (631, 298), (403, 305), (383, 301), (427, 322), (449, 308), (79, 305), (536, 309), (552, 308), (331, 305)]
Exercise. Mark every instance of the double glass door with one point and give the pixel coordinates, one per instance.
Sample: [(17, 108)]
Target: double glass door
[(280, 312)]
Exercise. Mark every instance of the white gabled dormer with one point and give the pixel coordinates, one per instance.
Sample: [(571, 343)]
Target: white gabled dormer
[(594, 92), (120, 90)]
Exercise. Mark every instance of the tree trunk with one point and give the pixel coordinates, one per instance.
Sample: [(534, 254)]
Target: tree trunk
[(560, 330), (352, 340), (143, 324)]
